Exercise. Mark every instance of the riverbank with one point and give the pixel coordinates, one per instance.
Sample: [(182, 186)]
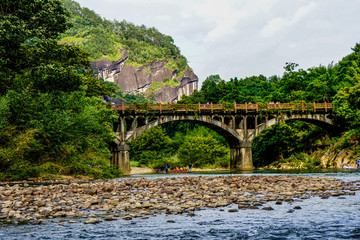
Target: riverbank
[(146, 170), (106, 200), (84, 178), (142, 170)]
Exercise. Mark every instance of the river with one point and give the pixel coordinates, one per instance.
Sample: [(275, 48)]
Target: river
[(332, 218)]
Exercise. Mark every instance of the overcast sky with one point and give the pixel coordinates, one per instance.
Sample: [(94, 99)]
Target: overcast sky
[(240, 38)]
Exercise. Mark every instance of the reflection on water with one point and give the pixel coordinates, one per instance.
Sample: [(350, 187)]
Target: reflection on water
[(332, 218)]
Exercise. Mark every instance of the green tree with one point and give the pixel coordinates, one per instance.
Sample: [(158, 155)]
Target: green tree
[(347, 99), (210, 89), (203, 151), (24, 31), (273, 143), (151, 146), (48, 119)]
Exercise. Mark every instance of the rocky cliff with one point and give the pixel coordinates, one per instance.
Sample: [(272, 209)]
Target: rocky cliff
[(139, 59), (152, 78), (335, 158)]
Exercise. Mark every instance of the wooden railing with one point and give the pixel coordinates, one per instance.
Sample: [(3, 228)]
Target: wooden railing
[(247, 107)]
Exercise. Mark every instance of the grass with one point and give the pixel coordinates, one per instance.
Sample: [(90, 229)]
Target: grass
[(171, 82), (171, 64), (134, 164), (71, 40), (297, 161), (118, 54), (154, 89), (155, 86), (134, 64)]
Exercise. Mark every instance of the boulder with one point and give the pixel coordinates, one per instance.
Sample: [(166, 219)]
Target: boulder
[(92, 221), (45, 211), (233, 210), (109, 218)]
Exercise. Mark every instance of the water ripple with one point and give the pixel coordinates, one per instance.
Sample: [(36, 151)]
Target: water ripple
[(330, 218)]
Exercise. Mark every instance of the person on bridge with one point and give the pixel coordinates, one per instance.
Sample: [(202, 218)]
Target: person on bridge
[(166, 168), (190, 166), (358, 163)]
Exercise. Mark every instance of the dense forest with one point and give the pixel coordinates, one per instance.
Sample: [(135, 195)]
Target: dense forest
[(53, 120)]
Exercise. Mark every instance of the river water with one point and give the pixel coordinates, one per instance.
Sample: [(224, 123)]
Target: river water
[(332, 218)]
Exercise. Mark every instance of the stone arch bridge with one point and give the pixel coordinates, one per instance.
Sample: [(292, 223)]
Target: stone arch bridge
[(238, 123)]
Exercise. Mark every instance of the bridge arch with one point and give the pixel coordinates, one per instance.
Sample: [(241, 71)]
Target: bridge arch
[(324, 121), (238, 126), (221, 128), (238, 147)]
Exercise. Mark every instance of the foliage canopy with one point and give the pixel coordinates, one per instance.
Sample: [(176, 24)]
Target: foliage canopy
[(52, 120)]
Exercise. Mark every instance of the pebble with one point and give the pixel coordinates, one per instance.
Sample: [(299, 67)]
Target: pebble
[(191, 214), (233, 210), (139, 198), (109, 218), (92, 221)]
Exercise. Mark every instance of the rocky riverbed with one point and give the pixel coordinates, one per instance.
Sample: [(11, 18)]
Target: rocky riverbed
[(96, 201)]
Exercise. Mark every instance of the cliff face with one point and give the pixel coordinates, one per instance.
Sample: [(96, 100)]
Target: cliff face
[(147, 79), (333, 158)]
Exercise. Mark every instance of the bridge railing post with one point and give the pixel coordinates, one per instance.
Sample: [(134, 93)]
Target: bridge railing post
[(246, 107), (314, 107), (235, 107), (325, 103), (212, 108), (199, 107)]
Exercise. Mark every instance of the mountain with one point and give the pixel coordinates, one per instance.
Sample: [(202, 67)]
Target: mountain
[(137, 58)]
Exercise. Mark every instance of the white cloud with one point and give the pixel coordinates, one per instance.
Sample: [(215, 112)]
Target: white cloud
[(224, 15), (278, 23), (303, 11), (163, 17), (273, 26)]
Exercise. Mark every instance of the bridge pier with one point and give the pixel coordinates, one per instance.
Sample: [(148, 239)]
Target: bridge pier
[(121, 157), (241, 156)]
